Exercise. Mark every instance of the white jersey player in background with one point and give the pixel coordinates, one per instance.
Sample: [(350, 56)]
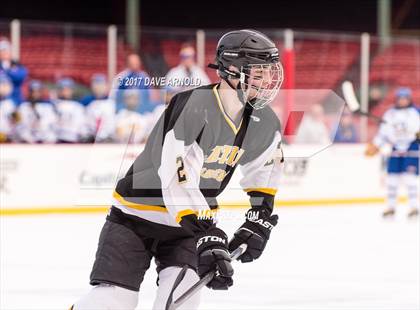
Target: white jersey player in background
[(38, 120), (72, 123), (131, 125), (100, 111), (401, 130)]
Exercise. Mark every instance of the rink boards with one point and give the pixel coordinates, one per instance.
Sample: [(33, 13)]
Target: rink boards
[(81, 178)]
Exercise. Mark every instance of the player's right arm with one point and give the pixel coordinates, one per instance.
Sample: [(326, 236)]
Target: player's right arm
[(381, 138), (180, 166)]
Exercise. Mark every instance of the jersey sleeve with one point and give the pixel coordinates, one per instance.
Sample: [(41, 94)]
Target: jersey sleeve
[(384, 131), (261, 175), (181, 162)]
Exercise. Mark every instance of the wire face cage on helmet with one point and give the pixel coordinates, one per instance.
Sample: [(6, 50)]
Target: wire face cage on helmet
[(253, 58), (260, 83)]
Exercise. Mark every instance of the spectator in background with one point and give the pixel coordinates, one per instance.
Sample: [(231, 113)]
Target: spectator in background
[(13, 69), (346, 130), (134, 77), (7, 109), (71, 126), (100, 110), (178, 78), (313, 130), (38, 118)]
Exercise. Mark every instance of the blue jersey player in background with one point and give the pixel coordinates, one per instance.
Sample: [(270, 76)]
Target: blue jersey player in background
[(401, 129)]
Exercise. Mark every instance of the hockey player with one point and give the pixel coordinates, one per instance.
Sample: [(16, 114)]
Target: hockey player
[(164, 206), (131, 125), (38, 117), (72, 127), (100, 110), (400, 129), (99, 89)]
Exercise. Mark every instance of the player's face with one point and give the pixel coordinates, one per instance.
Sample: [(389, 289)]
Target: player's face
[(99, 89), (66, 93), (131, 101), (263, 81), (403, 102), (259, 78), (36, 94)]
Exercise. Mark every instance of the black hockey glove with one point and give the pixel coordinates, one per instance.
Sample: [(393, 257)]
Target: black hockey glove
[(255, 232), (213, 255)]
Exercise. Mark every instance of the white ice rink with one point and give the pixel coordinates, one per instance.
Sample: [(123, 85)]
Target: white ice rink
[(318, 258)]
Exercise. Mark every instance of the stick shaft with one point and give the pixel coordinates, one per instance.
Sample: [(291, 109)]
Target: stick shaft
[(371, 116), (205, 280), (353, 104)]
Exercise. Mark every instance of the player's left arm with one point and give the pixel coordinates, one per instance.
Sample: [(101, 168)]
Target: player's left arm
[(260, 181)]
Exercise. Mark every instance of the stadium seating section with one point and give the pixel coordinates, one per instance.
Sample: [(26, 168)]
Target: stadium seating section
[(397, 65), (319, 64), (51, 57)]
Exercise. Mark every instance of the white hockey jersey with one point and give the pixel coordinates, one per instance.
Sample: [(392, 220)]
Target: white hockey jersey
[(72, 123), (399, 128), (189, 159), (38, 122), (131, 126), (101, 119)]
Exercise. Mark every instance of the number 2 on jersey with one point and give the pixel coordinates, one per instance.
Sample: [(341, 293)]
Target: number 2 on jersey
[(182, 176)]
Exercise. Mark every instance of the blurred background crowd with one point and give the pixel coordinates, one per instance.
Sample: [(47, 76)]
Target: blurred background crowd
[(123, 110), (58, 86)]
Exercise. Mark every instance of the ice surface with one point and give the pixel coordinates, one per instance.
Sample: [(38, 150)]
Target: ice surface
[(318, 258)]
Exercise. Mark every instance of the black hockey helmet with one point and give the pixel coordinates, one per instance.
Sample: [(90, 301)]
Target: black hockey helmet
[(250, 51)]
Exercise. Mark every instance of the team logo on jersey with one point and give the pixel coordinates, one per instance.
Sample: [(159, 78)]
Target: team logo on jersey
[(225, 155), (217, 174)]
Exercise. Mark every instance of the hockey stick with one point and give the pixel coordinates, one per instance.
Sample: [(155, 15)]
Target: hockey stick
[(178, 280), (198, 285), (352, 102)]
